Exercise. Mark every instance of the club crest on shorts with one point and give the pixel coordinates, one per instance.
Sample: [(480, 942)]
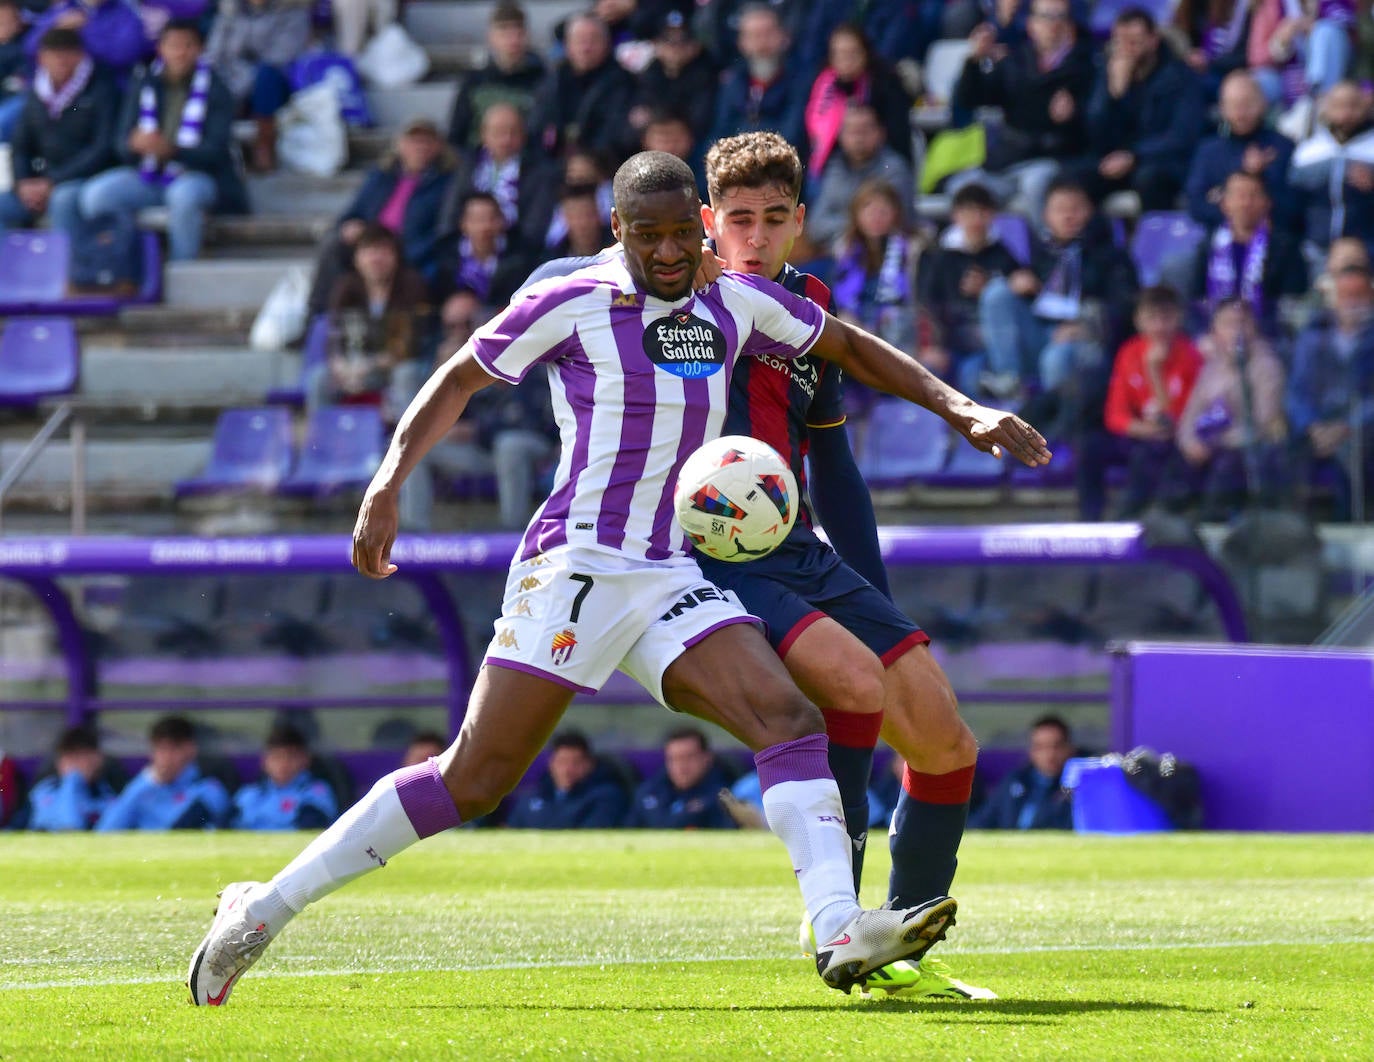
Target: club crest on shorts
[(686, 346), (564, 642)]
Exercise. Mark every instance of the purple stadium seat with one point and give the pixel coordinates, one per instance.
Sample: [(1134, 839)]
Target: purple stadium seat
[(33, 269), (343, 446), (969, 468), (1014, 231), (252, 452), (315, 352), (39, 356), (904, 444), (1161, 237)]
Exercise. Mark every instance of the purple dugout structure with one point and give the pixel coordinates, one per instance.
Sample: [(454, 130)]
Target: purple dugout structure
[(1282, 738), (39, 563)]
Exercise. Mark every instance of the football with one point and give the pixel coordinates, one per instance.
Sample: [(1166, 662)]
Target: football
[(736, 499)]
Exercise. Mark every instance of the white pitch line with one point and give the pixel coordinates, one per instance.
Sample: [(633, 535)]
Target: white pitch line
[(566, 964)]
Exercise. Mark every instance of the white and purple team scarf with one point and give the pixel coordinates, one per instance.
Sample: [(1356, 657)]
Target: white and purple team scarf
[(1222, 282), (475, 274), (891, 286), (192, 126), (501, 181), (57, 100)]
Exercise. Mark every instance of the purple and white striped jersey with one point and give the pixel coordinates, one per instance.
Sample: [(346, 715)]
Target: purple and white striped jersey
[(638, 383)]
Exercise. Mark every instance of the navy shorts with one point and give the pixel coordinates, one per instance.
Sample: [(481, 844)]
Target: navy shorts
[(804, 581)]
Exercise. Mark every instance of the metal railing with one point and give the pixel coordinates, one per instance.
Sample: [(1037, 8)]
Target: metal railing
[(62, 414)]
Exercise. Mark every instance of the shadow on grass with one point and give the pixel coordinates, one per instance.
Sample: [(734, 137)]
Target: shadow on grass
[(934, 1008)]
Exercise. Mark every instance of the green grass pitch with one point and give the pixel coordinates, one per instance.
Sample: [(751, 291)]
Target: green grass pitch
[(654, 946)]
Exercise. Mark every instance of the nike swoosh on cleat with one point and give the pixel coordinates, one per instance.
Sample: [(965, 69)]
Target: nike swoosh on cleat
[(216, 1001), (839, 942)]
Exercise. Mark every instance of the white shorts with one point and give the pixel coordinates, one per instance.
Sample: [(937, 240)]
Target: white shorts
[(574, 615)]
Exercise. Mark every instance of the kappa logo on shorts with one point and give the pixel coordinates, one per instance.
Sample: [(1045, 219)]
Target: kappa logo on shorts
[(685, 346), (522, 608), (506, 639), (564, 642), (538, 561), (529, 582)]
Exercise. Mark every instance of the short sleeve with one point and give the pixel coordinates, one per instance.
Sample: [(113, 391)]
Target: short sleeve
[(827, 407), (784, 325), (533, 329)]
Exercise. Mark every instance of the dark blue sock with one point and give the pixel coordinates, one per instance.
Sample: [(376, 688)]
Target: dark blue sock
[(852, 738), (926, 830)]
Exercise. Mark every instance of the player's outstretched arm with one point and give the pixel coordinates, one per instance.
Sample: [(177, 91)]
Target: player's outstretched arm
[(427, 419), (882, 366)]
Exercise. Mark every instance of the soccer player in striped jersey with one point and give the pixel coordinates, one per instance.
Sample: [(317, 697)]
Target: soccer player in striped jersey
[(639, 366), (828, 611)]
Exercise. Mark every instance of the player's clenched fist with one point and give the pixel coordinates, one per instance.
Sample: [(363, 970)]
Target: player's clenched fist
[(374, 534)]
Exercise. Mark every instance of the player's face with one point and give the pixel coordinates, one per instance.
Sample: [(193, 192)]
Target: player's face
[(661, 233), (755, 228)]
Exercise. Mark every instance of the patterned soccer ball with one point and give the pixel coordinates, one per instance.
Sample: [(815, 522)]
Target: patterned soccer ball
[(736, 499)]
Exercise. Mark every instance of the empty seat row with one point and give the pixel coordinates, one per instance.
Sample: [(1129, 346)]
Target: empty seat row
[(35, 267)]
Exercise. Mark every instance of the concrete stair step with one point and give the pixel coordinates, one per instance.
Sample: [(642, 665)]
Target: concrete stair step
[(392, 107), (294, 231), (134, 468), (233, 283), (285, 193), (188, 377), (170, 327), (454, 60), (434, 22)]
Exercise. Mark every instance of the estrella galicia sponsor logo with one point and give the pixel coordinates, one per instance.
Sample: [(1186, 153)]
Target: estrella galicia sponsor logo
[(685, 346)]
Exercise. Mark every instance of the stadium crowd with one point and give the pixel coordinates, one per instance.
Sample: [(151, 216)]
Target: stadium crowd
[(1235, 362)]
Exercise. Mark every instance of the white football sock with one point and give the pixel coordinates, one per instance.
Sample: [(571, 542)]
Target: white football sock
[(802, 805), (399, 810)]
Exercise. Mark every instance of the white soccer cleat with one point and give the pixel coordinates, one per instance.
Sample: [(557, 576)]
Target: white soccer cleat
[(233, 944), (872, 939)]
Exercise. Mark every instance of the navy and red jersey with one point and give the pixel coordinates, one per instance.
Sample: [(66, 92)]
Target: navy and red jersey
[(776, 401)]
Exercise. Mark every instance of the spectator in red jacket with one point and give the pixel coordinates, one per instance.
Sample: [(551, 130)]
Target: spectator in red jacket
[(1151, 380)]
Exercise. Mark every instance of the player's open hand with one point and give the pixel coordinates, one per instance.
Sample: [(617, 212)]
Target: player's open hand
[(375, 533), (998, 433)]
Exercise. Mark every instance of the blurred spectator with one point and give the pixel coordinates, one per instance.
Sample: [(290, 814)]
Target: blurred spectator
[(1298, 49), (1151, 380), (581, 169), (287, 796), (953, 276), (1216, 33), (875, 266), (10, 795), (898, 29), (506, 431), (478, 258), (863, 156), (622, 19), (585, 233), (585, 99), (1334, 169), (1246, 256), (14, 64), (1243, 144), (1144, 117), (378, 315), (717, 24), (252, 44), (1031, 797), (176, 130), (111, 30), (66, 134), (681, 79), (404, 192), (423, 746), (1232, 429), (762, 90), (854, 74), (1331, 390), (684, 795), (512, 75), (78, 792), (1363, 68), (1049, 322), (353, 19), (671, 132), (1041, 88), (505, 166), (575, 792), (170, 793)]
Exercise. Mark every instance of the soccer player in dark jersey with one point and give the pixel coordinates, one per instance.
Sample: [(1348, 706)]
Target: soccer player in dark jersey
[(829, 616)]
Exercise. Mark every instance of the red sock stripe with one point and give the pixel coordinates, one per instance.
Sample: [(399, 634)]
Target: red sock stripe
[(852, 729), (953, 788)]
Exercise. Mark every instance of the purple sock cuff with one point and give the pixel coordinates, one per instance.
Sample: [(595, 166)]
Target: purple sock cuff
[(425, 799), (793, 761)]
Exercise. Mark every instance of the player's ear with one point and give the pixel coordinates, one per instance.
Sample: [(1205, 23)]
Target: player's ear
[(801, 218), (615, 226), (708, 219)]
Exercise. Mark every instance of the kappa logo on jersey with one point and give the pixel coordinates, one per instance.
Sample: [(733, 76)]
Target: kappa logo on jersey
[(712, 502), (506, 639), (626, 298), (685, 346), (564, 642), (529, 582)]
